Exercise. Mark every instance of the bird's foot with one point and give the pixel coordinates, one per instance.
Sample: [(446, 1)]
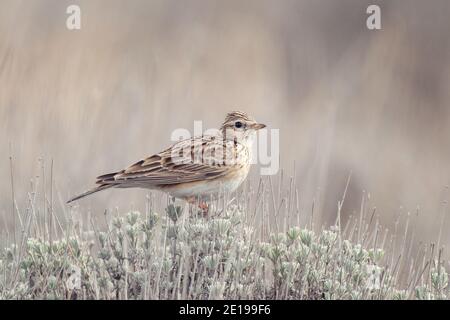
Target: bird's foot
[(204, 207)]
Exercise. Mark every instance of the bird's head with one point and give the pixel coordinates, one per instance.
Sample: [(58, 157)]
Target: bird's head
[(239, 126)]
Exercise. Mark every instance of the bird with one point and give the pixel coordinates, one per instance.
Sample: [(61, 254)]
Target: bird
[(193, 169)]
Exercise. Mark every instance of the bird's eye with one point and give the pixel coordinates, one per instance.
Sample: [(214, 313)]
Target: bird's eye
[(238, 124)]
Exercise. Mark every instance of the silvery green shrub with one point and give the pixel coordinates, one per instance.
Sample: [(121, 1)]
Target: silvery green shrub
[(184, 255)]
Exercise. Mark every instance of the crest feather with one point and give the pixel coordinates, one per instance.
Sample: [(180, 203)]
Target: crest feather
[(236, 115)]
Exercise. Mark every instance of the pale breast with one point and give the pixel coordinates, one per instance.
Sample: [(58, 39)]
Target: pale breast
[(199, 167), (207, 188)]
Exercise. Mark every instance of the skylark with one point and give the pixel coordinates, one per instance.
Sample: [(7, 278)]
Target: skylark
[(193, 169)]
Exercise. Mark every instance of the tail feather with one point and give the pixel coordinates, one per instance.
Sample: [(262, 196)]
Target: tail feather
[(94, 190), (106, 178)]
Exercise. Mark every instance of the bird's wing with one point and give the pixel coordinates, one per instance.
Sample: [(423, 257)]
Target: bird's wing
[(196, 159)]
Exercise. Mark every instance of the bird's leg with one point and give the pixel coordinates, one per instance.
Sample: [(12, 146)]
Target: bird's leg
[(201, 204), (195, 203), (204, 207)]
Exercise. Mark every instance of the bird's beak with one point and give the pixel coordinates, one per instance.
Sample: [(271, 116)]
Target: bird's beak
[(257, 126)]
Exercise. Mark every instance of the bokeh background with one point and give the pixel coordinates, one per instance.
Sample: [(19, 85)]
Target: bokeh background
[(346, 99)]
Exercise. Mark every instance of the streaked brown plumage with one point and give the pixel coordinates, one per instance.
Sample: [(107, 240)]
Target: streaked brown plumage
[(196, 167)]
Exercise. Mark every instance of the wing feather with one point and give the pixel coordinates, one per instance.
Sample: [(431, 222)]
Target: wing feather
[(186, 161)]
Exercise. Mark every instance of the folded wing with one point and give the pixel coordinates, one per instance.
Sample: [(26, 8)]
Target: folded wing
[(186, 161)]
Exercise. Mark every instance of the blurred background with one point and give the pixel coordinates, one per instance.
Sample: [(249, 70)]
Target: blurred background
[(345, 98)]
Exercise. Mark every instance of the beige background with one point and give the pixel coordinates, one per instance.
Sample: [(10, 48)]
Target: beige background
[(344, 98)]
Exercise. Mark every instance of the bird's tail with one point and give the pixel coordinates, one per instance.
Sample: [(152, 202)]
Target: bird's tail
[(103, 182), (93, 190)]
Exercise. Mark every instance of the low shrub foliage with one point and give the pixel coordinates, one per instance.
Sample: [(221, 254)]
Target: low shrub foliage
[(183, 254)]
